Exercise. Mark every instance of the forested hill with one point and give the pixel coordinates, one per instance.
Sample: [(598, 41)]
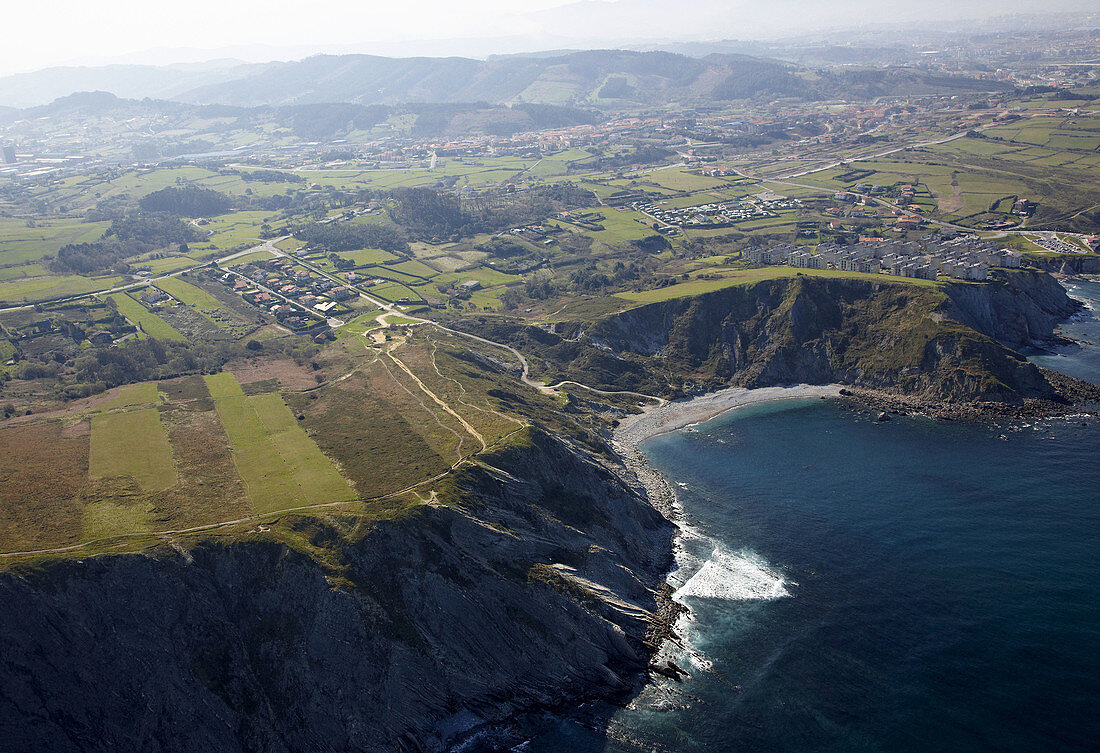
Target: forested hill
[(310, 122), (592, 78)]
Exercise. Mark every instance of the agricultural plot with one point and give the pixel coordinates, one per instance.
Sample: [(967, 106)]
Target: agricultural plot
[(367, 256), (281, 467), (204, 314), (558, 165), (43, 465), (414, 268), (230, 231), (682, 180), (185, 292), (393, 291), (22, 271), (131, 395), (20, 243), (134, 444), (146, 321), (34, 289), (164, 265)]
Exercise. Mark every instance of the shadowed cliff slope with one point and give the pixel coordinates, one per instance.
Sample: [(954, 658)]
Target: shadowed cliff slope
[(310, 637), (956, 343)]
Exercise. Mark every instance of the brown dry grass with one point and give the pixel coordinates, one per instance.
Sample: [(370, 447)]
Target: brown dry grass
[(209, 489), (377, 447), (41, 474), (289, 374)]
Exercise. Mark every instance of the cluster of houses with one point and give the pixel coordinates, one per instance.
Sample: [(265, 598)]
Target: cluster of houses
[(964, 257), (716, 215), (537, 233), (291, 294)]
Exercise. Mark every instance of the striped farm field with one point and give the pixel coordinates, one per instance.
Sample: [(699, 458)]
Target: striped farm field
[(280, 465)]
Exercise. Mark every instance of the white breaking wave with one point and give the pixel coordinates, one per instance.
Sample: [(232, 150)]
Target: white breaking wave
[(734, 576)]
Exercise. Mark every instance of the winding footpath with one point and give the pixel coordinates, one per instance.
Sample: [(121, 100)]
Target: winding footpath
[(389, 309)]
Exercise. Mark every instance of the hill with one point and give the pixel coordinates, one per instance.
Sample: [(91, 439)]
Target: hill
[(137, 81), (591, 78)]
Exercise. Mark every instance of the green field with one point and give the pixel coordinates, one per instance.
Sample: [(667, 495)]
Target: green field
[(189, 294), (147, 322), (745, 276), (19, 243), (682, 180), (33, 289), (280, 465), (223, 384), (365, 256), (132, 443)]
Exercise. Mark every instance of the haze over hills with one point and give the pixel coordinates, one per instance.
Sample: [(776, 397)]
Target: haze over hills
[(589, 78)]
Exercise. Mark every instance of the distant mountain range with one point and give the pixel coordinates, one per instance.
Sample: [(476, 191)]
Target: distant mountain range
[(594, 78)]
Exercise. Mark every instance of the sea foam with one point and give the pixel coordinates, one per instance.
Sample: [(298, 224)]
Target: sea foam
[(734, 576)]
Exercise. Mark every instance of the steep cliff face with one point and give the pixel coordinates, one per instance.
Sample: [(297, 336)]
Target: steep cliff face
[(1019, 309), (1067, 264), (461, 613), (955, 343)]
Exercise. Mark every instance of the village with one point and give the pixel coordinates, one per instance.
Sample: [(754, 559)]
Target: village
[(298, 300), (714, 215), (963, 257)]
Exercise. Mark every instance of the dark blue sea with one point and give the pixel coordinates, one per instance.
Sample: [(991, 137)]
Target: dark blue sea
[(909, 585)]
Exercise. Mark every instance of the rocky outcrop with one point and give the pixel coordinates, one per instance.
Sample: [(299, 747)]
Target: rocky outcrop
[(957, 343), (530, 585), (1019, 309), (951, 344)]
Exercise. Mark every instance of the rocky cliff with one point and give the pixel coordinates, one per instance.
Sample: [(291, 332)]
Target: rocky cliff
[(1020, 309), (956, 343), (530, 584), (918, 340)]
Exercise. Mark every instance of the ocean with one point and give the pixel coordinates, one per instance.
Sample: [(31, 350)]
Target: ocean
[(1081, 359), (909, 585)]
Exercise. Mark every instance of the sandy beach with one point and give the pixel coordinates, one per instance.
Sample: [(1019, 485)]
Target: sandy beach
[(671, 416)]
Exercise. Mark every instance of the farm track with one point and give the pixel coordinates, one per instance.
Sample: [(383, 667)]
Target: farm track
[(390, 310)]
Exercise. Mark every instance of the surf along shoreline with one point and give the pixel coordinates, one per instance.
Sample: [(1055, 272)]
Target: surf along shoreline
[(673, 614)]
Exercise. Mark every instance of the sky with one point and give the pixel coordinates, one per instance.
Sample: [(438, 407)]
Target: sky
[(41, 33)]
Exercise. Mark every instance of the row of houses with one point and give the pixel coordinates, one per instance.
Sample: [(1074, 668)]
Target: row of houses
[(287, 293), (294, 282), (964, 257)]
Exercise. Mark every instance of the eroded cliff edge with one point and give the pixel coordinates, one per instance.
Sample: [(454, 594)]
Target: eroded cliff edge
[(957, 344), (532, 583)]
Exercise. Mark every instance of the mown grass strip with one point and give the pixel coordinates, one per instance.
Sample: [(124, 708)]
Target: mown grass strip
[(189, 294), (223, 384), (149, 323), (281, 466), (133, 443)]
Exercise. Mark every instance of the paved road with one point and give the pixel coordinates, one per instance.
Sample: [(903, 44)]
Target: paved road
[(266, 245)]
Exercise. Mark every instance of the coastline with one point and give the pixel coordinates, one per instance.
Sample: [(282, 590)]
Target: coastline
[(662, 419), (671, 416)]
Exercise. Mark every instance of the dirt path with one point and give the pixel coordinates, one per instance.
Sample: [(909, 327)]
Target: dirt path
[(440, 402)]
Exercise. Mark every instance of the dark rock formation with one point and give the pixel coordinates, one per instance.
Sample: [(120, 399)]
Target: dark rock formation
[(957, 343), (531, 586)]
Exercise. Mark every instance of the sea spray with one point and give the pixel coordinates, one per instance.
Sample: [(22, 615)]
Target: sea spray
[(734, 576)]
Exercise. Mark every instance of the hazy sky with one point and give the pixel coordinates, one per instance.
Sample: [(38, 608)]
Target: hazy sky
[(39, 33)]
